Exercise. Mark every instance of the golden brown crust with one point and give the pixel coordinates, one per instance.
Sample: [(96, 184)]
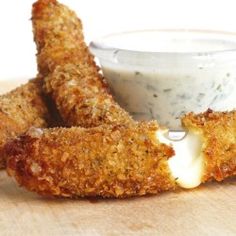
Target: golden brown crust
[(20, 109), (108, 161), (58, 36), (82, 98), (72, 77), (218, 130)]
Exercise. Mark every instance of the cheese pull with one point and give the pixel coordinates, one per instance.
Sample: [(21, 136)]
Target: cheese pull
[(187, 163), (205, 150)]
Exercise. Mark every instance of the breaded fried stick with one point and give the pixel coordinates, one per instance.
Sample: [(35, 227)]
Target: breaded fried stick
[(207, 152), (121, 161), (20, 109), (109, 161), (218, 133), (71, 75)]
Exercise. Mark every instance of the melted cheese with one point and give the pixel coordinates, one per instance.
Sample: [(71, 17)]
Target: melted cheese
[(187, 164)]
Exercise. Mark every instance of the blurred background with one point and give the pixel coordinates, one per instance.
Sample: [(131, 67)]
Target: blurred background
[(17, 50)]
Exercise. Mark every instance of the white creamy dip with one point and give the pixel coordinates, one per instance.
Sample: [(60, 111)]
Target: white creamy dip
[(163, 74)]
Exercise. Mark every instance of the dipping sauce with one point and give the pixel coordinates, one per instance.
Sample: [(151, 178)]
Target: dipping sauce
[(164, 74)]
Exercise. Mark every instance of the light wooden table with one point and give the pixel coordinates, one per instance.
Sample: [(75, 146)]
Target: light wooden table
[(207, 210), (7, 85)]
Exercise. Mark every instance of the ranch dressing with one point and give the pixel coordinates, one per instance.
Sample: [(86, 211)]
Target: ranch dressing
[(166, 95), (171, 74)]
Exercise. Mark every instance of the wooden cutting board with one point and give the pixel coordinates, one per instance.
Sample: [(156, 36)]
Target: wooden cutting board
[(207, 210)]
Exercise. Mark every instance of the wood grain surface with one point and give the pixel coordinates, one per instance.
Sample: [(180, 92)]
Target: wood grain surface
[(207, 210), (8, 85)]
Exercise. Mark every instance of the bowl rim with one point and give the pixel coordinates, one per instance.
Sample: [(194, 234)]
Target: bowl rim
[(99, 48)]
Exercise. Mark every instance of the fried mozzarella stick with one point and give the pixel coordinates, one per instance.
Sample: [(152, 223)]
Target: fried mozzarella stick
[(121, 161), (217, 131), (110, 161), (207, 152), (20, 109), (71, 75)]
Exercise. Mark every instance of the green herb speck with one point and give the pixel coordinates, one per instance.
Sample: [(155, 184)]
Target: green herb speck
[(167, 90)]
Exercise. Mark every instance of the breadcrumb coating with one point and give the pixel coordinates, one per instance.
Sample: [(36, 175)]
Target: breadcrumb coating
[(20, 109), (109, 161), (218, 130), (71, 75)]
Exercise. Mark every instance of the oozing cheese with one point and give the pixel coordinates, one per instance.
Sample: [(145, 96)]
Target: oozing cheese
[(187, 164)]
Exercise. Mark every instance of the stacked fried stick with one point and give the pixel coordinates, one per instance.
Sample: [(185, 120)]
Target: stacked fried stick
[(105, 152)]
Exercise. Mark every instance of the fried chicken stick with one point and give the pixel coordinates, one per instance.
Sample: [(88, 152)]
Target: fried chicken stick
[(20, 109), (109, 161), (218, 131), (71, 75)]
